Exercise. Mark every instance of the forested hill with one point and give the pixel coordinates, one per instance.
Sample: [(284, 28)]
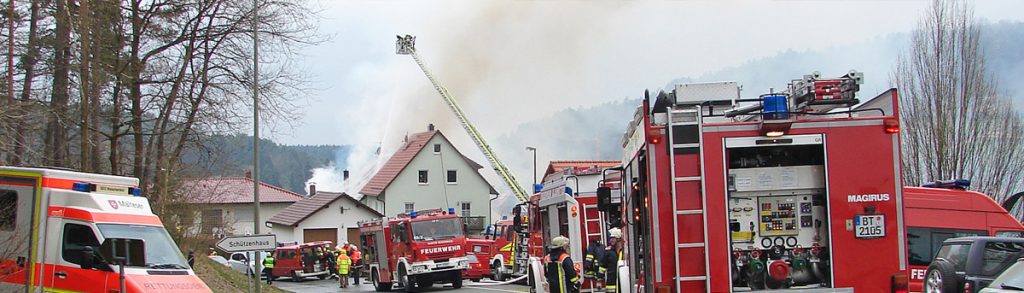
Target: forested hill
[(286, 166)]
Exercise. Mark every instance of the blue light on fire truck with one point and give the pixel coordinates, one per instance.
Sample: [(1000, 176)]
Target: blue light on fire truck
[(82, 186), (776, 107), (451, 211), (412, 214)]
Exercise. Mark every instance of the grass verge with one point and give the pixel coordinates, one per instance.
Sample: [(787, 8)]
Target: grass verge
[(222, 279)]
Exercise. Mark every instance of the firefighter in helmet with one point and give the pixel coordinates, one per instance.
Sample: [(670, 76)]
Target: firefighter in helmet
[(559, 269), (610, 262)]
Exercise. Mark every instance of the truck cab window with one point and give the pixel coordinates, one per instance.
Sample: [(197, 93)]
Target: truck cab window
[(76, 238)]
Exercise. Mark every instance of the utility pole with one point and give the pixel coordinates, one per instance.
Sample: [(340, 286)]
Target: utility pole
[(256, 138)]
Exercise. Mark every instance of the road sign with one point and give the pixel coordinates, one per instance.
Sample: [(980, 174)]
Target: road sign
[(248, 243)]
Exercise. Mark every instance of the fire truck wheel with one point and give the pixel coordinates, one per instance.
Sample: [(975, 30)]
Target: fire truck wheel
[(377, 285), (941, 277), (296, 278), (408, 282), (496, 272), (457, 280)]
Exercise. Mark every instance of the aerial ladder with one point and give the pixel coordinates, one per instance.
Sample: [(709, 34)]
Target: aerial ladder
[(406, 45)]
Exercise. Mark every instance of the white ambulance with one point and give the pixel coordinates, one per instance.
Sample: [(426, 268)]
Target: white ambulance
[(66, 231)]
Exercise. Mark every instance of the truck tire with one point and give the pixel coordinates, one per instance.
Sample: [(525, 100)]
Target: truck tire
[(377, 285), (321, 277), (408, 282), (496, 272), (457, 279), (296, 278), (941, 278)]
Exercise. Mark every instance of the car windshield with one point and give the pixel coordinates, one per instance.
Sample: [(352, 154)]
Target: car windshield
[(1012, 277), (436, 229), (161, 253)]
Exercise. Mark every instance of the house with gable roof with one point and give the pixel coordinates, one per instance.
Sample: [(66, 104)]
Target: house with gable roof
[(223, 205), (428, 172), (326, 216)]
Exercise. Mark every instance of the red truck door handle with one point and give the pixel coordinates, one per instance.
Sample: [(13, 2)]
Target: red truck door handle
[(61, 274)]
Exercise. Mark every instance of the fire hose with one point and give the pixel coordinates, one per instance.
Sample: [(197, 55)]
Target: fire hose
[(501, 283)]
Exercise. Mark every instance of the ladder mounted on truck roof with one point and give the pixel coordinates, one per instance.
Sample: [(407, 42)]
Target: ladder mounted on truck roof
[(406, 45)]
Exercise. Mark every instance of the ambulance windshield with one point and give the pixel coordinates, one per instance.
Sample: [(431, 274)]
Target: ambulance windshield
[(161, 253), (436, 229)]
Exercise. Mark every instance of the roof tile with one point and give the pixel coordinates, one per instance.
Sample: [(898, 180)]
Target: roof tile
[(232, 190), (295, 213)]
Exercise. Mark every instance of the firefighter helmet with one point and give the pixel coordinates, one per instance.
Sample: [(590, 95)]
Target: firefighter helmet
[(559, 241), (615, 233)]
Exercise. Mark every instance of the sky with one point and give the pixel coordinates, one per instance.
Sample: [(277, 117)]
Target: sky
[(509, 62)]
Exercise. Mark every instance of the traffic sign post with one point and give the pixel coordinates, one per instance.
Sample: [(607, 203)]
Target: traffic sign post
[(254, 243)]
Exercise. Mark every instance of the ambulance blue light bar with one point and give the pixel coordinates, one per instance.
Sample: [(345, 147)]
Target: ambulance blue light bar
[(106, 189), (83, 187)]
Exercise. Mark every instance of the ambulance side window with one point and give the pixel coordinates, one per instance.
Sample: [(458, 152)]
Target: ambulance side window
[(76, 238), (8, 209)]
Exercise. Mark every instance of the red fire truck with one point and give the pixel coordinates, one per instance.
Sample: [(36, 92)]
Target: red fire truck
[(789, 191), (561, 209), (415, 250), (501, 249), (928, 213)]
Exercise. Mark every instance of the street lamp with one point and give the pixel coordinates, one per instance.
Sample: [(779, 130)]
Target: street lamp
[(534, 150)]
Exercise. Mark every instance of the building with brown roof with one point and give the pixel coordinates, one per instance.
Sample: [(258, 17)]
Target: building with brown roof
[(324, 216), (428, 172), (224, 205)]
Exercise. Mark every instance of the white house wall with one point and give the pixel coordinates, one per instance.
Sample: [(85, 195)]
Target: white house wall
[(471, 187), (326, 218)]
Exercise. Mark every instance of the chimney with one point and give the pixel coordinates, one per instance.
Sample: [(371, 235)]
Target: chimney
[(312, 189), (248, 174), (430, 127), (344, 174)]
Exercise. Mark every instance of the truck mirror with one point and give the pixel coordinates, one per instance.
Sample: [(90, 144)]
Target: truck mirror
[(604, 198), (517, 218), (131, 252)]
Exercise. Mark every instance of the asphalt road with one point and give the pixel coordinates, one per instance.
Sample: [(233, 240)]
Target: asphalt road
[(314, 285)]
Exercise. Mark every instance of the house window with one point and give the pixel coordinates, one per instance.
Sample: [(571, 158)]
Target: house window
[(465, 209), (452, 177), (409, 207), (76, 238), (437, 148), (213, 221), (8, 209), (423, 177)]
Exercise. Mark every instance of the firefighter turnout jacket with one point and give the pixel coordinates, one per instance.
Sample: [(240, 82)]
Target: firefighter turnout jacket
[(592, 264), (610, 266), (561, 274), (268, 262), (343, 263)]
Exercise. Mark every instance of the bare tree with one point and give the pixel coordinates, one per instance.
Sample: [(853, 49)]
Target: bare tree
[(956, 123)]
